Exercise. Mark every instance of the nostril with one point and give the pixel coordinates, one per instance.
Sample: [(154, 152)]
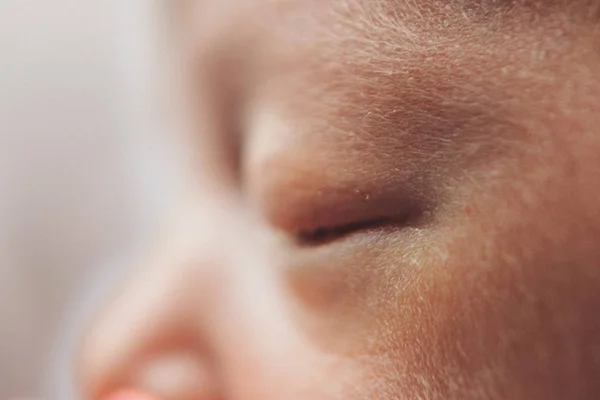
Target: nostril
[(175, 376)]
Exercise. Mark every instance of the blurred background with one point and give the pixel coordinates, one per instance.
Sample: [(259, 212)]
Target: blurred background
[(83, 171)]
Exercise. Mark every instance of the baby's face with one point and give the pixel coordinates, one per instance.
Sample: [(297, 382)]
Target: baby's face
[(398, 199)]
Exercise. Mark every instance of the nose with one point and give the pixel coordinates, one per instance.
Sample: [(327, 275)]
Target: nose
[(202, 318)]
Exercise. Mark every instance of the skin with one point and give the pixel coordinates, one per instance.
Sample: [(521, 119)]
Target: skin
[(388, 200)]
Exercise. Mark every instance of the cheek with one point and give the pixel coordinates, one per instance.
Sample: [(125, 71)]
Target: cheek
[(491, 299), (498, 298)]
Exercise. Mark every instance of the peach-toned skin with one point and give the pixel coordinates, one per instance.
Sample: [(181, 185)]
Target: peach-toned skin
[(129, 394), (390, 199)]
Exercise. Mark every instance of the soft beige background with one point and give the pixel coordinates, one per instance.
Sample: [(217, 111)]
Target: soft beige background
[(77, 180)]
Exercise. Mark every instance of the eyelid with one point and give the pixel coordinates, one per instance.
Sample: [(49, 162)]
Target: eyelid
[(323, 235), (318, 188), (314, 209)]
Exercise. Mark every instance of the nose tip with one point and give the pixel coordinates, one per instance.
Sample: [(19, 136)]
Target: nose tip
[(176, 376), (129, 394), (207, 323), (145, 339)]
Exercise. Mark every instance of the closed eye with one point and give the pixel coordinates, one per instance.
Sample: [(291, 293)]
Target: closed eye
[(315, 197), (324, 235)]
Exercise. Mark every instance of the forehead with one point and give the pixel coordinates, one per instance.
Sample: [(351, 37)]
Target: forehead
[(275, 37), (343, 52), (418, 70), (450, 11)]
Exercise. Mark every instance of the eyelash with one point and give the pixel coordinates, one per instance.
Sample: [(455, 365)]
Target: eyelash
[(323, 235)]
